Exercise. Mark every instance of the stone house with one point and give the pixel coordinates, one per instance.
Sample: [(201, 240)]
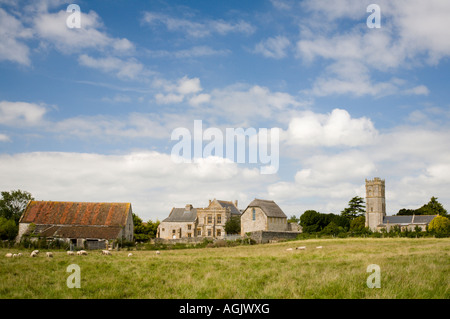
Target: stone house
[(263, 215), (189, 222), (90, 225)]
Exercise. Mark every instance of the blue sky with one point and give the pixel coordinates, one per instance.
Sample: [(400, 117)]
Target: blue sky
[(87, 114)]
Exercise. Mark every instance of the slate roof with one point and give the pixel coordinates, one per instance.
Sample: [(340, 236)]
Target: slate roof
[(76, 213), (408, 219), (269, 207), (182, 215), (230, 205)]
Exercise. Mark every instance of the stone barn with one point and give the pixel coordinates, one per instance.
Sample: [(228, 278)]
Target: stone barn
[(90, 225)]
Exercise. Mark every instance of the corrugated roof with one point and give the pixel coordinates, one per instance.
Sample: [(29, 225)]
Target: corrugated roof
[(182, 215), (76, 213), (269, 207), (230, 205)]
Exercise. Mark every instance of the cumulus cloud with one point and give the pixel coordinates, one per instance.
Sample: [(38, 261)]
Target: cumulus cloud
[(123, 69), (273, 47), (337, 128), (21, 113)]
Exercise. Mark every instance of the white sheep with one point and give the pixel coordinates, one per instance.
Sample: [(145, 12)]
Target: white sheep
[(33, 254), (289, 249), (319, 247), (19, 255), (35, 251), (49, 254), (157, 252), (8, 255), (81, 252), (106, 252), (70, 253), (130, 254), (14, 255), (301, 248)]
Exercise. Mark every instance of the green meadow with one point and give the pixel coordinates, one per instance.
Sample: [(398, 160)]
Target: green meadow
[(409, 268)]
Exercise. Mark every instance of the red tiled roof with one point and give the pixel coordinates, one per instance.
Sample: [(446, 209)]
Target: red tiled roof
[(76, 213)]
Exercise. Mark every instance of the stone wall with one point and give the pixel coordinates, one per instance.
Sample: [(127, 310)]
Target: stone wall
[(262, 237)]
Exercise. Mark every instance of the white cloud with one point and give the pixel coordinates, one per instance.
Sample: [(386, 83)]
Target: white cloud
[(12, 32), (123, 69), (4, 138), (151, 181), (198, 29), (273, 47), (21, 113), (337, 128)]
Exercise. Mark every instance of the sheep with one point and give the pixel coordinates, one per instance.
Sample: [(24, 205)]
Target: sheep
[(319, 247), (35, 251), (49, 254), (33, 254), (8, 255), (19, 255), (289, 249), (106, 252), (157, 252), (70, 253), (81, 252), (14, 255), (301, 248), (130, 254)]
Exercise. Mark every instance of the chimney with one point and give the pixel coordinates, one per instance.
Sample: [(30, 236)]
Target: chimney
[(188, 207), (209, 202), (235, 203)]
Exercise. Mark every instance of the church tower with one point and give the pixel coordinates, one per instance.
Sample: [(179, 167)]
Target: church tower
[(375, 202)]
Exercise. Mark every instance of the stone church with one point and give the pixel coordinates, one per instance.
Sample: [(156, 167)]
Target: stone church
[(376, 218)]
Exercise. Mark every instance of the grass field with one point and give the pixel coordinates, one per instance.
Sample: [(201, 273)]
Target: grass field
[(409, 268)]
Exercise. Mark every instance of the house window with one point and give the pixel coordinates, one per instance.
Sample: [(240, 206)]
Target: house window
[(173, 231), (199, 231), (219, 219), (209, 232), (254, 214), (189, 234), (189, 227), (209, 219), (219, 233)]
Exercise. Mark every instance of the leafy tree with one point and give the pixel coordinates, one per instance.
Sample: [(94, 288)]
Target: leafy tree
[(358, 224), (12, 204), (331, 229), (8, 229), (439, 224), (310, 221), (355, 208), (233, 225), (407, 212), (433, 207), (144, 231), (293, 219)]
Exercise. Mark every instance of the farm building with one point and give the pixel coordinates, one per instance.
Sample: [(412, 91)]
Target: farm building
[(191, 222), (91, 225), (265, 220)]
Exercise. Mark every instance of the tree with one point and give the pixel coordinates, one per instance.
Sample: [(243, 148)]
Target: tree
[(331, 229), (8, 229), (144, 231), (12, 204), (233, 225), (358, 224), (355, 208), (433, 207), (293, 219), (310, 221), (439, 224)]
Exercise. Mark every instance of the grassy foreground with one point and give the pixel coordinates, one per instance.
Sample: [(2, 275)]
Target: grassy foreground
[(409, 268)]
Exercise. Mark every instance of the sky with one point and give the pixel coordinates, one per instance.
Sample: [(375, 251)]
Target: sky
[(87, 114)]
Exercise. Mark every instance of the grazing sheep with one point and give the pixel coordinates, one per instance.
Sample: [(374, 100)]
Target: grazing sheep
[(71, 253), (81, 252), (106, 252), (14, 255), (289, 249), (130, 254), (8, 255), (19, 255), (301, 248), (319, 247), (157, 252), (49, 254), (33, 254), (35, 251)]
